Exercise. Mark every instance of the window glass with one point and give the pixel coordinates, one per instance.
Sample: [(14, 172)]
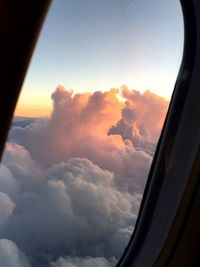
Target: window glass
[(85, 131)]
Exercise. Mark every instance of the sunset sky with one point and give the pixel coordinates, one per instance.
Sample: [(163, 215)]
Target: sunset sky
[(95, 45), (71, 184)]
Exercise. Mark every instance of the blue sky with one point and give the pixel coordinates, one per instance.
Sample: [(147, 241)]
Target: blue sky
[(90, 45)]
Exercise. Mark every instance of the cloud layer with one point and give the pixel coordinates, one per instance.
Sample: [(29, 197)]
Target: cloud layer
[(10, 255), (83, 262), (71, 185)]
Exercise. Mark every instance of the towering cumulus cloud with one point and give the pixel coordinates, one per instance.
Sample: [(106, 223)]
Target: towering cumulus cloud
[(71, 184)]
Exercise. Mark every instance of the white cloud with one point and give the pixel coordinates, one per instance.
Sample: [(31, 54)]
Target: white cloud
[(10, 255), (77, 210), (83, 262), (8, 183), (6, 207)]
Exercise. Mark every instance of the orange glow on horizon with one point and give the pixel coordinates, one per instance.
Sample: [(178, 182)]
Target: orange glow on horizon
[(33, 104), (32, 111)]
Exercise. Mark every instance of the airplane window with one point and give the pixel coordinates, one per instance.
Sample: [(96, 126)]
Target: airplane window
[(85, 131)]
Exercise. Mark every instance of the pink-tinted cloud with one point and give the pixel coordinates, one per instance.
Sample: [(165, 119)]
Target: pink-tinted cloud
[(74, 182), (148, 112)]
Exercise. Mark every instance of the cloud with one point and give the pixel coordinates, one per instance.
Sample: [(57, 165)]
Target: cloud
[(10, 255), (8, 184), (76, 210), (142, 119), (6, 207), (81, 126), (20, 164), (77, 128), (72, 183), (147, 111), (83, 262)]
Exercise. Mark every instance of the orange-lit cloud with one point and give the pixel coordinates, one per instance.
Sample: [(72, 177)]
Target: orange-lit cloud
[(149, 108), (72, 183), (99, 127)]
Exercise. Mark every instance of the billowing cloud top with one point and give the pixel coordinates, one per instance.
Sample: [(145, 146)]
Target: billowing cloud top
[(71, 185)]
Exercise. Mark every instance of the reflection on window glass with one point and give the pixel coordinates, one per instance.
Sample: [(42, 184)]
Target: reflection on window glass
[(85, 131)]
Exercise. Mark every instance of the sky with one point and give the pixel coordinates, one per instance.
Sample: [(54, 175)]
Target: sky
[(96, 45)]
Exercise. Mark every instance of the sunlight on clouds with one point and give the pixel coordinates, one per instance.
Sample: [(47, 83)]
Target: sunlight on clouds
[(72, 183)]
